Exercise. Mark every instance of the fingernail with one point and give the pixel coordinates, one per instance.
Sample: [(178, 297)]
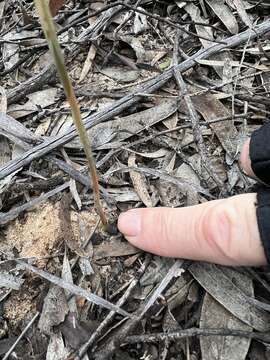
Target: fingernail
[(129, 223)]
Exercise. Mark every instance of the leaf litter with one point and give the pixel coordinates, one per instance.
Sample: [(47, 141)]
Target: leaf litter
[(67, 288)]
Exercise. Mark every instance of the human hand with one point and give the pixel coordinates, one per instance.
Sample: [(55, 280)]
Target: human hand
[(231, 231)]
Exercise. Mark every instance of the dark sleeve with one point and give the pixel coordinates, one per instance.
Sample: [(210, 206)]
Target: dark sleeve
[(263, 219), (259, 152)]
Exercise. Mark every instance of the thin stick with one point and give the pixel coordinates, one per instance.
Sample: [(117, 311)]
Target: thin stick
[(50, 33), (175, 335), (21, 336)]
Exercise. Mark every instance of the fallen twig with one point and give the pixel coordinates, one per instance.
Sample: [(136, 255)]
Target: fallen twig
[(176, 335)]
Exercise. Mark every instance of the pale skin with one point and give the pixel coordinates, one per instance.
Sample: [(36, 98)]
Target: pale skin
[(221, 231)]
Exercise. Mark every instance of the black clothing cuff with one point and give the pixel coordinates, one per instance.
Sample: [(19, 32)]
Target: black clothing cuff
[(259, 152), (263, 219)]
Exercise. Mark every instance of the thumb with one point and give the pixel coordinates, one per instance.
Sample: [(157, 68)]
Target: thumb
[(220, 231), (244, 160)]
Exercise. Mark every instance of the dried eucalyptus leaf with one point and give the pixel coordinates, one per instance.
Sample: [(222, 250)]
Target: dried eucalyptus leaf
[(114, 248), (211, 108), (206, 32), (140, 23), (215, 281), (88, 62), (36, 100), (67, 276), (5, 151), (121, 128), (121, 74), (153, 155), (225, 14), (85, 266), (169, 194), (139, 182), (215, 316), (240, 8), (16, 132), (56, 349), (54, 311), (124, 195)]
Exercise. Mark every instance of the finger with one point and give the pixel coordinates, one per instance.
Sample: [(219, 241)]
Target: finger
[(219, 231), (244, 160)]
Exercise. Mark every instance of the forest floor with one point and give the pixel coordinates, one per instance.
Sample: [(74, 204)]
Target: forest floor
[(169, 91)]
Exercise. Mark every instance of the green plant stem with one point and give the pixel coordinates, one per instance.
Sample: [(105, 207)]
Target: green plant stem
[(50, 33)]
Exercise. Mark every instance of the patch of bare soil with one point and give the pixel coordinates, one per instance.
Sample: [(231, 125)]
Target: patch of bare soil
[(41, 232)]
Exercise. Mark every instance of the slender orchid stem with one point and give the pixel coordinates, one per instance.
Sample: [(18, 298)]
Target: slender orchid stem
[(50, 33)]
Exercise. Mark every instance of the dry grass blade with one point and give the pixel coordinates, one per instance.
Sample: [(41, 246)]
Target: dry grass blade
[(50, 33)]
